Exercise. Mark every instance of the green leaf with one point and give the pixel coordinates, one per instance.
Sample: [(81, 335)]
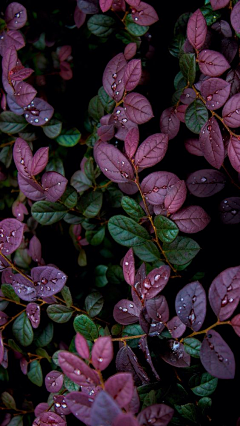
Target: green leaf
[(69, 138), (47, 213), (94, 303), (132, 208), (181, 250), (14, 346), (132, 330), (66, 294), (107, 102), (149, 399), (101, 25), (89, 169), (52, 129), (8, 400), (95, 108), (44, 337), (209, 14), (90, 204), (85, 326), (181, 23), (196, 116), (127, 232), (115, 274), (82, 258), (35, 373), (55, 165), (6, 156), (187, 64), (135, 29), (179, 81), (9, 293), (12, 123), (188, 411), (204, 404), (192, 346), (148, 252), (22, 330), (43, 353), (72, 218), (100, 276), (70, 385), (95, 237), (70, 197), (203, 385), (59, 313), (167, 230), (16, 421), (176, 45)]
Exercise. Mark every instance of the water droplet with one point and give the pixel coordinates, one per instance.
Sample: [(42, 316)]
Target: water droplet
[(192, 316), (156, 278), (45, 119), (220, 358), (211, 346), (209, 97), (118, 112), (187, 95), (209, 128), (131, 305), (203, 179), (224, 301), (36, 120), (194, 299), (18, 290), (117, 93), (124, 120), (119, 81), (231, 300), (26, 115), (126, 263), (229, 288), (155, 189), (57, 405), (234, 212), (120, 308), (237, 111), (114, 86), (100, 359), (114, 75), (125, 310), (124, 174), (169, 119), (64, 405), (78, 372), (2, 38), (106, 169), (182, 299), (135, 19)]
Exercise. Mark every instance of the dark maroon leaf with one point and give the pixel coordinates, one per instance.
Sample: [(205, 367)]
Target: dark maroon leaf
[(138, 108), (122, 123), (235, 18), (229, 48), (106, 132), (176, 327), (216, 356), (24, 369), (174, 354), (48, 280), (9, 61), (39, 161), (175, 197), (234, 152), (11, 234), (134, 404), (156, 186), (133, 3), (49, 419), (24, 288), (82, 346), (190, 305), (23, 157), (102, 353), (191, 219), (224, 293), (222, 27), (230, 210), (65, 70), (197, 29), (54, 185), (150, 326), (188, 96), (40, 408), (205, 183), (120, 386), (7, 274), (3, 318), (80, 406), (33, 312), (151, 151), (105, 5), (169, 122), (30, 188), (13, 106), (76, 369), (1, 348), (158, 414), (64, 52), (125, 312), (131, 142), (20, 73), (128, 188), (79, 17), (157, 309), (113, 77), (144, 14), (211, 143), (212, 63), (233, 77), (126, 419), (3, 263), (130, 51), (54, 381), (88, 6), (118, 5), (219, 4), (104, 410), (38, 112), (127, 361), (235, 323), (14, 39), (19, 210), (231, 111), (193, 147), (155, 281), (132, 74), (180, 112), (129, 267), (143, 344), (15, 16), (215, 91), (24, 93)]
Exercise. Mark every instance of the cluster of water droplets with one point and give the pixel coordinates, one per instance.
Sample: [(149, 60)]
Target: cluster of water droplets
[(212, 347)]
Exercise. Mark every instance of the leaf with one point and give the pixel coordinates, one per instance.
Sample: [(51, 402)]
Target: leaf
[(132, 330), (104, 410), (102, 353), (148, 251), (127, 419), (151, 151), (95, 108), (88, 6), (216, 356), (203, 385), (129, 267), (9, 292), (24, 93), (100, 276), (156, 186), (131, 141), (161, 412), (44, 337), (211, 143), (132, 208), (107, 102), (52, 129), (95, 237), (105, 5), (197, 29), (39, 112), (126, 360), (33, 312), (192, 346), (59, 313), (219, 4), (132, 74), (94, 303), (11, 123), (138, 108), (234, 17), (169, 123), (196, 116), (157, 309), (191, 219), (23, 157), (48, 418), (229, 210), (175, 327), (120, 386), (187, 64), (22, 330), (190, 305), (188, 411), (125, 312), (82, 346), (155, 281), (215, 91), (8, 400), (231, 110), (30, 188), (167, 230), (70, 197), (181, 250), (126, 231), (47, 213), (113, 77), (85, 326), (80, 406), (39, 161), (76, 369), (175, 197), (130, 51), (16, 421), (101, 25), (144, 14), (205, 183), (54, 381), (91, 204), (15, 16), (212, 63), (80, 181), (69, 138)]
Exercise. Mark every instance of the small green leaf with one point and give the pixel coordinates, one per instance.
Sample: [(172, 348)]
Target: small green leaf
[(132, 330), (85, 326), (101, 25), (149, 399), (90, 204), (176, 45), (69, 385), (6, 156), (70, 197), (52, 129), (107, 102), (196, 116), (100, 276), (16, 421), (127, 232), (167, 230), (115, 274), (210, 15), (204, 404), (203, 385), (89, 169), (82, 258), (22, 330), (179, 81), (9, 293), (47, 213), (181, 250), (132, 208), (8, 400), (188, 411), (135, 29), (66, 294), (192, 346), (14, 346), (43, 353), (94, 303), (55, 165), (69, 138), (44, 337), (95, 108), (35, 373), (148, 251), (59, 313), (95, 237), (11, 123), (187, 63)]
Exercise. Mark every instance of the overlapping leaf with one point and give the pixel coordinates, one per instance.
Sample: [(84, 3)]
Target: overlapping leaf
[(191, 219), (113, 163), (205, 183), (190, 305), (151, 151), (197, 29)]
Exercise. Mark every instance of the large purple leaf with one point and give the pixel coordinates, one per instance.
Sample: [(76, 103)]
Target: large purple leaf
[(176, 327), (197, 29), (132, 74), (23, 157), (157, 309), (216, 356), (155, 281), (113, 77), (48, 280), (230, 210), (224, 293), (20, 73), (15, 16), (158, 414), (169, 122), (104, 410), (193, 147), (126, 360), (150, 326), (126, 312), (126, 419), (102, 353), (174, 354), (130, 50), (120, 386), (175, 197), (105, 5), (234, 152), (54, 381), (82, 346), (13, 106), (9, 61), (212, 63), (122, 123), (191, 219), (76, 369), (151, 151), (131, 142), (80, 406), (143, 344), (219, 4), (49, 419), (211, 143), (30, 188), (215, 91), (191, 305), (235, 17), (24, 288), (113, 163), (39, 161), (106, 132), (156, 186), (38, 112), (11, 234), (231, 111), (206, 182), (129, 267), (144, 14), (33, 312), (54, 185), (138, 108), (24, 93)]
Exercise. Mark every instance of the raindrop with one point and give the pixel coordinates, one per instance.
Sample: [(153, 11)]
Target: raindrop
[(169, 119), (22, 161), (229, 288), (181, 299), (187, 95), (209, 128), (194, 299), (124, 120), (209, 97), (122, 162), (106, 169), (231, 300), (234, 212), (120, 307), (224, 301), (117, 93), (57, 405), (192, 316), (26, 115), (118, 112), (237, 111), (78, 372), (135, 19), (46, 119), (125, 310), (155, 189), (59, 183), (36, 120), (114, 75), (119, 81), (100, 359), (130, 305), (114, 86), (203, 179), (64, 405), (156, 278), (220, 358), (126, 263)]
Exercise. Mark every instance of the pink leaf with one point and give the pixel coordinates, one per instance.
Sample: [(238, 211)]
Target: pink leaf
[(121, 121), (48, 419), (160, 412), (65, 71), (11, 234), (132, 74), (3, 318), (20, 73), (15, 16), (35, 249), (211, 143), (219, 4), (30, 188), (106, 132), (54, 381), (48, 280), (187, 96), (126, 312), (13, 106), (156, 186), (38, 112), (151, 151), (235, 18), (126, 419), (191, 305), (175, 327), (129, 267), (113, 77), (235, 323), (133, 3), (104, 409), (144, 14), (76, 369), (231, 111), (234, 152), (193, 147), (130, 51), (180, 112), (131, 142), (33, 313), (9, 61), (212, 63), (80, 406), (24, 93), (206, 182), (102, 353), (23, 157), (41, 408), (82, 346), (175, 197), (197, 29), (155, 281), (64, 52), (120, 386), (128, 188), (15, 39), (118, 5), (39, 161), (191, 219), (79, 17), (215, 91), (169, 122), (24, 369), (54, 185), (105, 5), (138, 108)]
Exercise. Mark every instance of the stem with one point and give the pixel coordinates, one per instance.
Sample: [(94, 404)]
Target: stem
[(230, 177), (13, 301), (16, 268), (195, 333), (11, 319), (123, 339), (6, 144)]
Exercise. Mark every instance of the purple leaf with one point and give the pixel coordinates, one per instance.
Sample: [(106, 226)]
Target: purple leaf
[(120, 386), (150, 326), (113, 77), (169, 122), (193, 147), (215, 91), (229, 48), (64, 52), (132, 74), (60, 405), (106, 132), (155, 281), (80, 405), (158, 414), (13, 106), (54, 381), (30, 188), (222, 27), (235, 323), (122, 123), (235, 18), (105, 5), (65, 70), (48, 419), (191, 219), (128, 188), (219, 4), (15, 16), (9, 61), (20, 73), (190, 305), (224, 293), (144, 14), (76, 369), (126, 419), (130, 51), (126, 312), (197, 29), (102, 353), (143, 344), (33, 312), (230, 210), (187, 96), (151, 151), (54, 185), (24, 288), (35, 249), (216, 356), (23, 157), (15, 39), (174, 354), (134, 404), (129, 267), (131, 142), (41, 408), (38, 112), (231, 111), (126, 360), (175, 327), (48, 280), (138, 108), (82, 346), (118, 5), (175, 197), (233, 77), (3, 318), (180, 112), (133, 3), (79, 17), (156, 186), (212, 63), (3, 264), (88, 6), (113, 163), (24, 369), (39, 161), (157, 309), (205, 183), (104, 410), (1, 348), (24, 93), (234, 152), (11, 234)]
